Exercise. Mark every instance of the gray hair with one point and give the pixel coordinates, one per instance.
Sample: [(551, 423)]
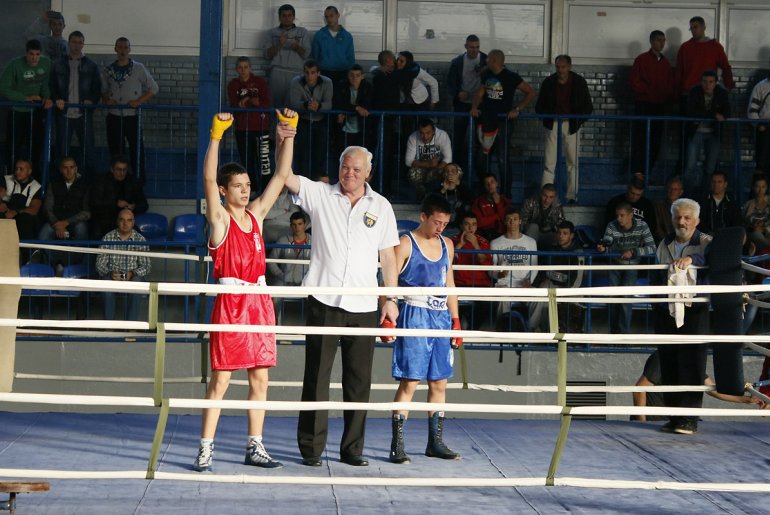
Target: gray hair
[(357, 150), (685, 204)]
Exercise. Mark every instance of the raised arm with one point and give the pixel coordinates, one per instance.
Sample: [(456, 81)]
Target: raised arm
[(286, 130), (215, 213)]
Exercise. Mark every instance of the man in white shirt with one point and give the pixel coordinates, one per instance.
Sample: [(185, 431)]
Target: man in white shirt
[(505, 252), (428, 151), (352, 226)]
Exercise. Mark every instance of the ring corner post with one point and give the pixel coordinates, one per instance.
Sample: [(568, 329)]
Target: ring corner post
[(9, 301)]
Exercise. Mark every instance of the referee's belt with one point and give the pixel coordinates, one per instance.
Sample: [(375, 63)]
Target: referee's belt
[(234, 281), (427, 301)]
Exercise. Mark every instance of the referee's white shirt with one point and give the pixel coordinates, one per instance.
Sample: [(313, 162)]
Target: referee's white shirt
[(346, 241)]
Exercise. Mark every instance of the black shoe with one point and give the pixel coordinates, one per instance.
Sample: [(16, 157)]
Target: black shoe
[(668, 427), (311, 462), (355, 461), (686, 427)]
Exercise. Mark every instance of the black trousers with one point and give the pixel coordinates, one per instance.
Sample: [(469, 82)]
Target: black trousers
[(639, 144), (683, 364), (357, 356), (123, 129), (24, 135), (762, 149)]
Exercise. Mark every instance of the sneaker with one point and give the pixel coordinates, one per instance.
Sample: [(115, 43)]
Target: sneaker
[(203, 461), (59, 270), (686, 427), (257, 456), (668, 427)]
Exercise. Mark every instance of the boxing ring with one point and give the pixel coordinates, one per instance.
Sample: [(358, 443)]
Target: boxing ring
[(137, 460)]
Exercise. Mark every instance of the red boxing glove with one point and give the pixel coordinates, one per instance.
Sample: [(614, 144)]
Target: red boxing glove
[(387, 324), (456, 326)]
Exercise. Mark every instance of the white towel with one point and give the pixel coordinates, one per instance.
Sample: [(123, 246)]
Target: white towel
[(679, 277)]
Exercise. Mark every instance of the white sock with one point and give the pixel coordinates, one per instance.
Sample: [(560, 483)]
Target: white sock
[(254, 440), (207, 442)]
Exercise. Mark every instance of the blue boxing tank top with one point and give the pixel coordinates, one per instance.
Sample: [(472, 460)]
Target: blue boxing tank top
[(421, 271)]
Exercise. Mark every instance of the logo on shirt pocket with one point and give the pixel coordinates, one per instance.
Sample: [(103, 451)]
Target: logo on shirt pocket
[(369, 219)]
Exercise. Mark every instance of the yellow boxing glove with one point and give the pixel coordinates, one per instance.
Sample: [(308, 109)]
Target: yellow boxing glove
[(218, 127), (292, 121)]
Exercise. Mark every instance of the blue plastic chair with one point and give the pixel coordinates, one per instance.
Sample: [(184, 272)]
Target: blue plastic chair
[(36, 270), (404, 226), (186, 227), (76, 271), (153, 226)]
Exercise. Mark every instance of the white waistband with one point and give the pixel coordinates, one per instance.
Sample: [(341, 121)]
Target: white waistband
[(427, 301), (234, 281)]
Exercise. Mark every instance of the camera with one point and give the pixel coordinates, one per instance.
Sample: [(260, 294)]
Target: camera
[(122, 276)]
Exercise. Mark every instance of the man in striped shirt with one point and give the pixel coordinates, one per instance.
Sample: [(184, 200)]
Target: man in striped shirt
[(632, 239)]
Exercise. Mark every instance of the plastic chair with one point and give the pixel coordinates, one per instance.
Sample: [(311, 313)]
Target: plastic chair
[(186, 228), (586, 235), (404, 226), (153, 226), (36, 270)]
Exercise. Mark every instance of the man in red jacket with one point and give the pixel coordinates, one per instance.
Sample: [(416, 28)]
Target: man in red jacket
[(652, 81), (251, 128), (490, 208), (697, 55)]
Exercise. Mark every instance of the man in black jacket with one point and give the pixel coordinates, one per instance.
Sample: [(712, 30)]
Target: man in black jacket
[(112, 192), (719, 210), (708, 100), (353, 94), (463, 82), (562, 93)]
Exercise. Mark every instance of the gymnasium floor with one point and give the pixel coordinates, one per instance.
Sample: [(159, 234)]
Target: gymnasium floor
[(721, 452)]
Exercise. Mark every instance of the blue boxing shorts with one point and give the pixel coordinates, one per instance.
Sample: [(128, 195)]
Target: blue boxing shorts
[(422, 357)]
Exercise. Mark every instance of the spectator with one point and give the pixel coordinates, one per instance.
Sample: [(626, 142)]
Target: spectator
[(126, 81), (65, 208), (652, 81), (514, 248), (421, 94), (289, 274), (683, 364), (468, 239), (354, 95), (112, 192), (75, 79), (641, 206), (48, 29), (455, 192), (309, 94), (113, 267), (632, 239), (428, 150), (287, 48), (570, 315), (495, 97), (333, 47), (662, 209), (564, 92), (279, 216), (708, 100), (490, 208), (697, 55), (756, 214), (719, 210), (463, 82), (252, 130), (387, 85), (541, 216), (759, 109), (22, 198), (25, 79)]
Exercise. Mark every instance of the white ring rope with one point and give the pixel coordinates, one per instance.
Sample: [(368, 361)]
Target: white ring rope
[(98, 250)]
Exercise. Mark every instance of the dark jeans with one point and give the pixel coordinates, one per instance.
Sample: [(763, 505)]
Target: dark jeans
[(83, 129), (24, 137), (762, 149), (254, 151), (620, 314), (460, 135), (639, 143), (311, 149), (122, 130), (357, 356)]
